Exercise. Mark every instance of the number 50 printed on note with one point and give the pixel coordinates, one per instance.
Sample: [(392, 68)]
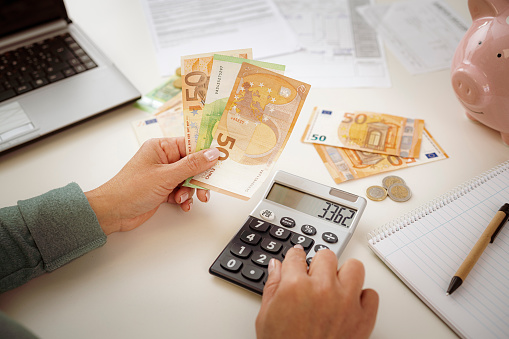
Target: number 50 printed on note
[(258, 119)]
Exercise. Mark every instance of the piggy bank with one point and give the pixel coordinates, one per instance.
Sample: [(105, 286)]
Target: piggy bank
[(480, 67)]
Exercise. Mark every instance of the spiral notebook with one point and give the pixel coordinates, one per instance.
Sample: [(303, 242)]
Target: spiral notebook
[(426, 246)]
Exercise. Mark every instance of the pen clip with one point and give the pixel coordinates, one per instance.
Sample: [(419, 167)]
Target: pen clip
[(504, 209)]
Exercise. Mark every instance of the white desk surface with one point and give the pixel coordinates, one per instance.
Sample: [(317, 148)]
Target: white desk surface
[(153, 282)]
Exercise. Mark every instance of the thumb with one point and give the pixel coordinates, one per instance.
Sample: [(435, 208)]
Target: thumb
[(193, 164), (272, 283)]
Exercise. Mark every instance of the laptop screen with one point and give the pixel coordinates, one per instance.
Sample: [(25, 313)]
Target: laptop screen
[(17, 15)]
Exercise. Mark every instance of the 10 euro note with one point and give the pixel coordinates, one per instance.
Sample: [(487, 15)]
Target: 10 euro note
[(253, 130), (346, 164), (195, 70), (366, 131)]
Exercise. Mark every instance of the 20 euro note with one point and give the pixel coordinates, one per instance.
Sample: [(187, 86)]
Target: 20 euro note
[(346, 164), (195, 70), (256, 124), (366, 131)]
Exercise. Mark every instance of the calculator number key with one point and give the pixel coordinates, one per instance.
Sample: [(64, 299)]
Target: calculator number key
[(240, 251), (231, 264), (259, 225), (279, 233), (298, 239), (261, 258), (252, 273), (250, 238), (271, 246)]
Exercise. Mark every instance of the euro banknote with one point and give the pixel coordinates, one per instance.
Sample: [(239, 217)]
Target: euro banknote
[(153, 100), (195, 70), (168, 123), (222, 79), (346, 164), (366, 131), (256, 124)]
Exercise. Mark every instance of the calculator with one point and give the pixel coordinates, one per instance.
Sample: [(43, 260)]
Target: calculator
[(294, 210)]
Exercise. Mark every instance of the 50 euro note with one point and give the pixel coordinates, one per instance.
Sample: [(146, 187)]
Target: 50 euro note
[(222, 79), (346, 164), (195, 70), (253, 130), (366, 131)]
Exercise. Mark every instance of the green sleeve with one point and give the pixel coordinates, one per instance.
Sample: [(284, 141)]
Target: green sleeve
[(43, 233)]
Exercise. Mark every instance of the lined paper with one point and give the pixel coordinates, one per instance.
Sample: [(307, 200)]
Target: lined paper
[(427, 252)]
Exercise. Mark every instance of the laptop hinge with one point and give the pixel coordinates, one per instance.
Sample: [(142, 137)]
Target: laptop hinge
[(32, 33)]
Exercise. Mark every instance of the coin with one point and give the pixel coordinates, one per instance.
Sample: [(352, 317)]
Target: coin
[(376, 193), (392, 179), (399, 192), (178, 83)]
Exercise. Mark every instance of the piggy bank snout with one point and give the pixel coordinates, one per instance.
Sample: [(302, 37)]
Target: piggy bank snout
[(470, 86)]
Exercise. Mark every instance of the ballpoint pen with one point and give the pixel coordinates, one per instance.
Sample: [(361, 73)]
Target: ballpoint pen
[(488, 236)]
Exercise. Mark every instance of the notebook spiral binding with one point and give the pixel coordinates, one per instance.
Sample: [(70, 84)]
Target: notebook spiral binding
[(384, 231)]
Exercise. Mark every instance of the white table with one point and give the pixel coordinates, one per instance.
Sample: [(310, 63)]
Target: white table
[(153, 282)]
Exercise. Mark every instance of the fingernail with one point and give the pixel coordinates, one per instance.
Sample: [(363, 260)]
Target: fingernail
[(211, 154), (207, 196), (272, 265), (183, 197), (299, 246), (190, 205)]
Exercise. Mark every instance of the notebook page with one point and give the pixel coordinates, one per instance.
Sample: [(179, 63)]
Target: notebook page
[(427, 253)]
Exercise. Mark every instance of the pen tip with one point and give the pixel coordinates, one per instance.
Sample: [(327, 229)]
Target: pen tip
[(447, 294)]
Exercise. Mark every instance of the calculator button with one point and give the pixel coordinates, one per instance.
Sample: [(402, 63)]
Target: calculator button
[(252, 273), (320, 247), (250, 238), (308, 229), (261, 259), (287, 222), (271, 246), (280, 233), (308, 260), (329, 237), (267, 215), (231, 264), (259, 225), (302, 240), (240, 251)]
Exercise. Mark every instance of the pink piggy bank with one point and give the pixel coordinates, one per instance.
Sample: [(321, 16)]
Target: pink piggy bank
[(480, 67)]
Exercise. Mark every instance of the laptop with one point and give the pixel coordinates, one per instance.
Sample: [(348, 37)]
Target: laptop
[(51, 74)]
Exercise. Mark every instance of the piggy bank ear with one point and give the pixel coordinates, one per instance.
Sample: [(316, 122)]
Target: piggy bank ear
[(482, 8)]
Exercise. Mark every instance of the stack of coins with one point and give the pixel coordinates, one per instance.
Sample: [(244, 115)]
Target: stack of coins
[(393, 186), (178, 82)]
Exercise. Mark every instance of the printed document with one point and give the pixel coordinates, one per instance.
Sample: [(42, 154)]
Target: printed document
[(196, 26), (339, 48), (423, 34)]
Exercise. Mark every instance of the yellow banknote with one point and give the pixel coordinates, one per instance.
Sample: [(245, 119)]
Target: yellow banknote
[(366, 131), (195, 70), (257, 121), (346, 164)]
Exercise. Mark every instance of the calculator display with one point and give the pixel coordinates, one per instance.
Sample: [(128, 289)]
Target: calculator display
[(309, 204)]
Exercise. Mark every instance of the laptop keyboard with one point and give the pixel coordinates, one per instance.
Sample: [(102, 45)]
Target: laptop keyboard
[(37, 65)]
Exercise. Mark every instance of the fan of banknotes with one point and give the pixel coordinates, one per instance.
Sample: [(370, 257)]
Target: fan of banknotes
[(245, 108), (360, 144)]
